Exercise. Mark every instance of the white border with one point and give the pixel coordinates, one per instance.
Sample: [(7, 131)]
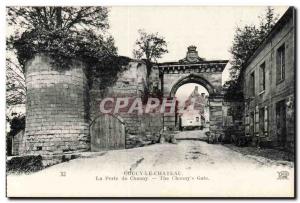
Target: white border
[(3, 4)]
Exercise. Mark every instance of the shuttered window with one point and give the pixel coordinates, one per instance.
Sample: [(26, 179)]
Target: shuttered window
[(256, 121), (247, 125), (266, 120), (263, 121), (252, 124)]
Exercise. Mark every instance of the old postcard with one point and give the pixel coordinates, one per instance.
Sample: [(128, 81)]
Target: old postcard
[(150, 101)]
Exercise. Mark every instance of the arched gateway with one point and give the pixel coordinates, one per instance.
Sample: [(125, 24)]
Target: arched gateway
[(193, 69)]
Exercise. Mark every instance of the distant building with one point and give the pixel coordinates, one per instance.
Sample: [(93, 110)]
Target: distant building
[(269, 87), (195, 112)]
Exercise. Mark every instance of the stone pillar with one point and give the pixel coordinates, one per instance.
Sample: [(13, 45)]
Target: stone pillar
[(56, 107), (216, 117), (169, 117)]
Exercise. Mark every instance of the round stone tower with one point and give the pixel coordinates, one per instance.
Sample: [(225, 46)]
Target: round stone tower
[(56, 107)]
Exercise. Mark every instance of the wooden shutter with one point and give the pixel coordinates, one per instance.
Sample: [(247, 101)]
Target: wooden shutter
[(247, 125), (256, 120), (266, 127), (251, 124)]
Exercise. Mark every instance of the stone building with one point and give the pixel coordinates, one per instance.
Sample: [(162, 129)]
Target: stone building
[(269, 87)]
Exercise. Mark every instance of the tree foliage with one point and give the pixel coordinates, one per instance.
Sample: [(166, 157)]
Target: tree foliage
[(15, 83), (63, 33), (64, 18), (246, 41), (150, 46), (64, 46), (16, 124)]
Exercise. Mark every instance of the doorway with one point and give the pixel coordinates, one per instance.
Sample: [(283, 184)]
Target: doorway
[(281, 123)]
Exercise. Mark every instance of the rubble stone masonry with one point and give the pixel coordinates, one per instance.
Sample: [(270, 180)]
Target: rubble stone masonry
[(141, 129)]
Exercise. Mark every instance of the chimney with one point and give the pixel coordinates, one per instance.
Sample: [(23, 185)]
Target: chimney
[(196, 89)]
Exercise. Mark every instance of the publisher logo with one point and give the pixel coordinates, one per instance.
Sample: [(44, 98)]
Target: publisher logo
[(282, 175)]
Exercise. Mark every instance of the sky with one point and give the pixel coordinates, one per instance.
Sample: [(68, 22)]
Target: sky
[(209, 28)]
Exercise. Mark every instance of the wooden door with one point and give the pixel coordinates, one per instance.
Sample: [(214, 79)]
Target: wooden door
[(107, 133), (281, 122)]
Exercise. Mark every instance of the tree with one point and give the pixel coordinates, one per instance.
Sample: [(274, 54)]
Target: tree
[(248, 38), (63, 33), (15, 83), (246, 41), (65, 18), (150, 46)]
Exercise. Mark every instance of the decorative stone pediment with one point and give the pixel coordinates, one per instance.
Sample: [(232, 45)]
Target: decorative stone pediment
[(191, 56)]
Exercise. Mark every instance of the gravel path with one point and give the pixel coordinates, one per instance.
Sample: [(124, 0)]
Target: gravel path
[(223, 172)]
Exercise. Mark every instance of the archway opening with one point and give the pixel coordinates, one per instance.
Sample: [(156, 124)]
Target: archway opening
[(192, 111)]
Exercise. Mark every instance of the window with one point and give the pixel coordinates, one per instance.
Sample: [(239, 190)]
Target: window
[(280, 63), (252, 84), (197, 119), (262, 77), (256, 121), (263, 121)]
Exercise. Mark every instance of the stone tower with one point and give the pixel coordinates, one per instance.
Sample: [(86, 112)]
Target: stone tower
[(56, 108)]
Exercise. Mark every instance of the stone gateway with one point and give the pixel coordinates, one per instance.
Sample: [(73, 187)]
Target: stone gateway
[(193, 69), (63, 111)]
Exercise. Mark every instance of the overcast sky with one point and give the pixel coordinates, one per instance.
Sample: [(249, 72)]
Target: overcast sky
[(211, 29)]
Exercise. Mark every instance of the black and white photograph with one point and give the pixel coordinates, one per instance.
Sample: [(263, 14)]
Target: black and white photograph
[(108, 101)]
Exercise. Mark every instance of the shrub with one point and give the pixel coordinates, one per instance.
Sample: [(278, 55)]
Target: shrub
[(24, 164)]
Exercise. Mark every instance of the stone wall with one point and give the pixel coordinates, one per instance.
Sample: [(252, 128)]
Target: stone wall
[(56, 106), (141, 129), (216, 117), (233, 120)]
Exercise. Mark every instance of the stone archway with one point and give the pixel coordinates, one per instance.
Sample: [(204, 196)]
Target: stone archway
[(193, 69), (192, 78), (182, 92), (215, 104)]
